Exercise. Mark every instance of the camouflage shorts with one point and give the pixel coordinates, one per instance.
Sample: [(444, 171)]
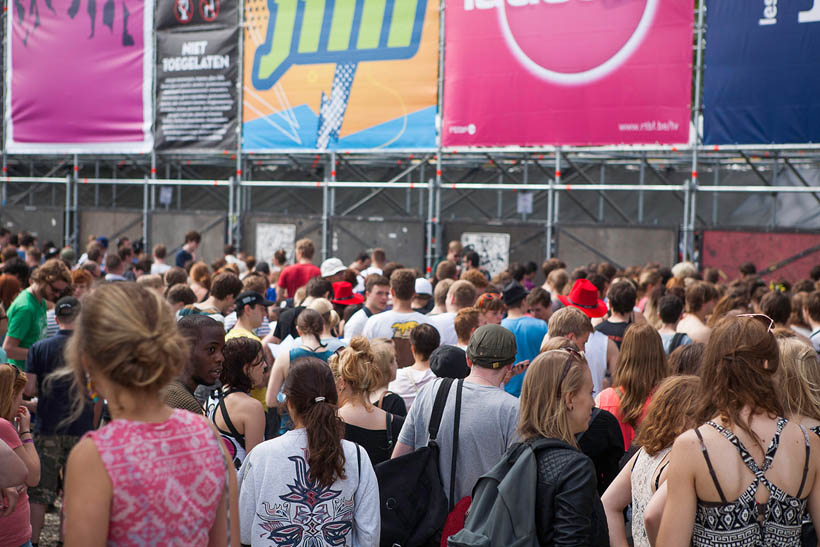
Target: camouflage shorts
[(53, 451)]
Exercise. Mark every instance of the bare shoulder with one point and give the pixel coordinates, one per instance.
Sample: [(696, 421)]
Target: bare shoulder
[(85, 460), (686, 445)]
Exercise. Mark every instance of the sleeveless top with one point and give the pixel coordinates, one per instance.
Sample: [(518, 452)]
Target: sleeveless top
[(296, 353), (595, 353), (642, 472), (234, 441), (745, 522), (167, 478)]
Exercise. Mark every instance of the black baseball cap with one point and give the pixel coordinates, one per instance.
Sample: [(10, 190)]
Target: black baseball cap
[(251, 298), (67, 307)]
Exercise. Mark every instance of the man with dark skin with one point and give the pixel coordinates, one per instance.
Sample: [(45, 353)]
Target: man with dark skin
[(207, 338)]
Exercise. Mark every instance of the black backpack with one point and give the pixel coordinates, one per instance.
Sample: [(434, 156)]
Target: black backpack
[(411, 495)]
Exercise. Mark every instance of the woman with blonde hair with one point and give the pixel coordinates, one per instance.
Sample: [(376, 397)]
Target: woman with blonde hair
[(356, 376), (125, 349), (15, 432), (556, 403), (669, 415), (800, 382), (384, 357), (746, 451), (641, 367), (331, 321)]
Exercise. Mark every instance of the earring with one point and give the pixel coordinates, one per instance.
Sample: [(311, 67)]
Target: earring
[(92, 389)]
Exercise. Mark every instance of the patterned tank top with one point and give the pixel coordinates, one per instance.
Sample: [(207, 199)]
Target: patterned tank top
[(167, 480), (745, 522), (642, 473)]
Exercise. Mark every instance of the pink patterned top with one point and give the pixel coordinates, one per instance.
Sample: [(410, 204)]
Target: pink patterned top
[(167, 478)]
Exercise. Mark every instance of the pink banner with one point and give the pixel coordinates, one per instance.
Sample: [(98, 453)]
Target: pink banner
[(79, 76), (567, 72)]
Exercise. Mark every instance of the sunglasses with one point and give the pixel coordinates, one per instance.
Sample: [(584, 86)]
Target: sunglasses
[(764, 320), (572, 354), (16, 370), (59, 293)]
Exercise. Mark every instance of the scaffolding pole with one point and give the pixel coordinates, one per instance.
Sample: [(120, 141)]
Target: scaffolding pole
[(67, 225), (325, 212), (234, 216), (690, 208), (551, 202)]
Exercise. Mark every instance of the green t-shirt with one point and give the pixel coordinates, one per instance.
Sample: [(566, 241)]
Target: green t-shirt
[(27, 322)]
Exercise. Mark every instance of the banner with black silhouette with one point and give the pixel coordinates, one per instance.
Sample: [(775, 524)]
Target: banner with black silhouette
[(79, 76), (197, 72)]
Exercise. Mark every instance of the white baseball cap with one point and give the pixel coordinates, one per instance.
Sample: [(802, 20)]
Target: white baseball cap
[(424, 287)]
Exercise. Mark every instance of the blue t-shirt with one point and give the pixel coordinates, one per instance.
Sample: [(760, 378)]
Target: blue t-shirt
[(182, 258), (529, 333)]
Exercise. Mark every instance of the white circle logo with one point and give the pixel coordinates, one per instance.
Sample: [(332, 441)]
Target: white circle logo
[(611, 61)]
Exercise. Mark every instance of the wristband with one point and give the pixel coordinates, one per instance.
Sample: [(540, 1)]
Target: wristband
[(28, 441), (24, 432)]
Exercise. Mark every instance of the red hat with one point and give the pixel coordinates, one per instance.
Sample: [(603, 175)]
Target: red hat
[(344, 295), (584, 296)]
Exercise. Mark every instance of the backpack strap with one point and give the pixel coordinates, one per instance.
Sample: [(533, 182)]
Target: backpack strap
[(438, 407), (389, 423), (380, 404), (676, 340), (456, 423), (412, 379)]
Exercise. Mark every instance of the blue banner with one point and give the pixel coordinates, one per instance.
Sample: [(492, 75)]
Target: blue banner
[(762, 72)]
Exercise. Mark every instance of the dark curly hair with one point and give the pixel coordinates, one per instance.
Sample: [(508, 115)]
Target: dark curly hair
[(238, 352)]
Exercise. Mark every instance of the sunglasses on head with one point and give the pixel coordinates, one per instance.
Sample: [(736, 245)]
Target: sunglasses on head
[(762, 318), (486, 297), (572, 354), (16, 370)]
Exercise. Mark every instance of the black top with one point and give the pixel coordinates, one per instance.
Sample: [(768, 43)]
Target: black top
[(54, 403), (378, 443), (614, 331), (393, 404), (286, 324), (604, 444)]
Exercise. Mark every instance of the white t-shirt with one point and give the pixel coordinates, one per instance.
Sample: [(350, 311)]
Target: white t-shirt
[(275, 491), (408, 382), (360, 279), (355, 325), (159, 269), (392, 324), (446, 327)]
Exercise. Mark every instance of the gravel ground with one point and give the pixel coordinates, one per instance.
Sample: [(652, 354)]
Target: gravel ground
[(48, 536)]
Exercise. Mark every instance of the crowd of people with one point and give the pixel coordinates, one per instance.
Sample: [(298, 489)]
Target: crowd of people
[(160, 400)]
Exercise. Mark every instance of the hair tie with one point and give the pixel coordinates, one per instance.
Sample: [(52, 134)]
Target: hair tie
[(318, 399)]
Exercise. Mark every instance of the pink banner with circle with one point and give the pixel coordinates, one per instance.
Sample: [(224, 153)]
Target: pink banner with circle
[(567, 72)]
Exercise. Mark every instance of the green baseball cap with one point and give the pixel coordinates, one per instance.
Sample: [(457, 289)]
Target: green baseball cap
[(491, 346)]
